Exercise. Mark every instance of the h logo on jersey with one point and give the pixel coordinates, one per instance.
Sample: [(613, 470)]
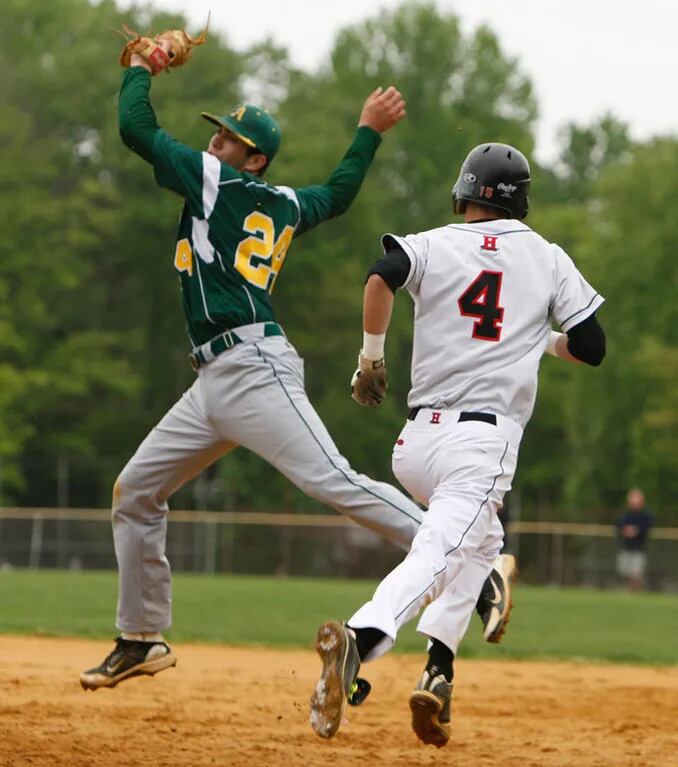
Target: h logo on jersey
[(489, 243), (435, 417)]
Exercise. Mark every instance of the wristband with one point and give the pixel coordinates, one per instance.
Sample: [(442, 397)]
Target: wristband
[(551, 343), (373, 346)]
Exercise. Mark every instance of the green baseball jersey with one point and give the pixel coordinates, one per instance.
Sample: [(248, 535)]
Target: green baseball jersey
[(235, 229)]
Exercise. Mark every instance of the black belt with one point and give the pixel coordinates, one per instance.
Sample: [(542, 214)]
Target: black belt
[(466, 415)]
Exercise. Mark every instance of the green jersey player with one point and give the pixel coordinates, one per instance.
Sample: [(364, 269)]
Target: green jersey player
[(234, 234)]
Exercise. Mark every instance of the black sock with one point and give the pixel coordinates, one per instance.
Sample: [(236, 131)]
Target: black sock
[(440, 659), (367, 639)]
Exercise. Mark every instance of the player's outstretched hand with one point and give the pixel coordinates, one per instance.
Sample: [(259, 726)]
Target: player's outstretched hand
[(155, 56), (368, 385), (383, 109)]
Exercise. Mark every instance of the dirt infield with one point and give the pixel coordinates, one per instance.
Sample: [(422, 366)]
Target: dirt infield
[(232, 706)]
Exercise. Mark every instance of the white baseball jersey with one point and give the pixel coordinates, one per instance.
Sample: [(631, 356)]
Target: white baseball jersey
[(484, 297)]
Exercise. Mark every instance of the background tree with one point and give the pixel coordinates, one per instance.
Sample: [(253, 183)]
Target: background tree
[(92, 346)]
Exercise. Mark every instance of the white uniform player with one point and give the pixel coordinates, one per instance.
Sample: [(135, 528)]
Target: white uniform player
[(485, 293)]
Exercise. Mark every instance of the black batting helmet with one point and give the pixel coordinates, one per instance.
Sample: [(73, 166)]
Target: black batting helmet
[(497, 175)]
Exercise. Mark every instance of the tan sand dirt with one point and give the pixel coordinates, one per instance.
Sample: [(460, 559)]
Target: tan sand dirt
[(232, 706)]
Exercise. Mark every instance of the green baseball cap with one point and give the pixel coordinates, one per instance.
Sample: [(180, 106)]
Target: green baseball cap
[(252, 125)]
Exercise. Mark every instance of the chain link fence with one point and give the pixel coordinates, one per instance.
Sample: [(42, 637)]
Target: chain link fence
[(314, 545)]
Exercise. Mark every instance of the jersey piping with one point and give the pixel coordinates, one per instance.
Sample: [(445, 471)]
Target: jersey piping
[(249, 296), (463, 535), (579, 311), (202, 292), (494, 234)]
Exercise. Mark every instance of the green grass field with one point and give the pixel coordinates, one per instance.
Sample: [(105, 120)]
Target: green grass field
[(546, 623)]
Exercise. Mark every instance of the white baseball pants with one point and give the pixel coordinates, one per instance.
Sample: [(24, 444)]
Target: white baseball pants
[(462, 470), (251, 395)]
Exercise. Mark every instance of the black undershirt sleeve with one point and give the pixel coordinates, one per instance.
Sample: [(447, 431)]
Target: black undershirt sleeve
[(586, 341), (393, 267)]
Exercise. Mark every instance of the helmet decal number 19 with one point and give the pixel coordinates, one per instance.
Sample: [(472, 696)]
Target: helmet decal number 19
[(481, 300)]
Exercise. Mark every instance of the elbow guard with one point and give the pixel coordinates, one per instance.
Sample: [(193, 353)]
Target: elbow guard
[(586, 341)]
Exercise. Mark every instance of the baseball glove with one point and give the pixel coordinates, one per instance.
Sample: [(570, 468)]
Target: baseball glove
[(368, 385), (172, 48)]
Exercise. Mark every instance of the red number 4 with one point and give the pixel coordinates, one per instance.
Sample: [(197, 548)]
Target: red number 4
[(481, 300)]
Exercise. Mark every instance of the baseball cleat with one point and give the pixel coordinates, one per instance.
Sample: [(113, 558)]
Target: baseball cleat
[(128, 659), (495, 603), (338, 652), (430, 704)]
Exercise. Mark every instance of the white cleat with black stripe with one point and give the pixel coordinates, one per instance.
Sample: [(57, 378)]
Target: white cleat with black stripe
[(495, 601)]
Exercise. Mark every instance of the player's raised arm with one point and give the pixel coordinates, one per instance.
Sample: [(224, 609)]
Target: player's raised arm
[(144, 57), (177, 167), (136, 119), (381, 111)]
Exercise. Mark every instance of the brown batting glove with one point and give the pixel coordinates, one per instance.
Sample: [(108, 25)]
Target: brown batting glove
[(368, 385)]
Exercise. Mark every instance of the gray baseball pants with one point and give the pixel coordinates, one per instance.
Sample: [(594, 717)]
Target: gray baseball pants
[(251, 395)]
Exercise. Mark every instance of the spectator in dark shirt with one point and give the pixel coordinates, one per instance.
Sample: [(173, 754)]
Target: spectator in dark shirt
[(633, 527)]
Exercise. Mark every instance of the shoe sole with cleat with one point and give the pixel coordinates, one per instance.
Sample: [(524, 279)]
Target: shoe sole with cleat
[(426, 708), (328, 701)]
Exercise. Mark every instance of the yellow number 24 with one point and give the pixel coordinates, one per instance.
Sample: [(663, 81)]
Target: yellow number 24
[(258, 258)]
